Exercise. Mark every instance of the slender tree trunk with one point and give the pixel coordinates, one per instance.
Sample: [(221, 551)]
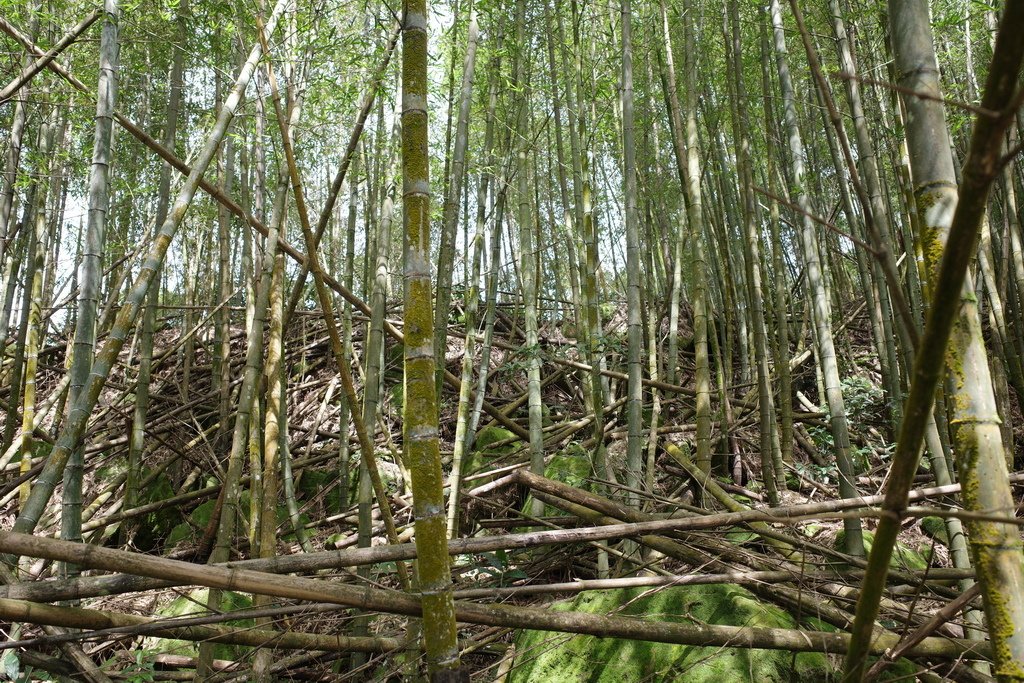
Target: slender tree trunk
[(687, 153), (463, 438), (273, 373), (450, 217), (33, 291), (141, 410), (772, 470)]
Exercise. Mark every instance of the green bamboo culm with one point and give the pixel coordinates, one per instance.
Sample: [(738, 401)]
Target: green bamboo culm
[(92, 262), (420, 411), (952, 225)]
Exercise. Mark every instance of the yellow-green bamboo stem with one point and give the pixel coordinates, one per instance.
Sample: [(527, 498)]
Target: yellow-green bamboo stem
[(420, 413), (952, 222)]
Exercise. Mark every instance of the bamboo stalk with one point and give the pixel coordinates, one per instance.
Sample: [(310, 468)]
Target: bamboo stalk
[(997, 548)]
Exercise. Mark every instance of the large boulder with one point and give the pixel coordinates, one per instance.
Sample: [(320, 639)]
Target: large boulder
[(573, 466), (903, 557), (560, 658), (194, 604)]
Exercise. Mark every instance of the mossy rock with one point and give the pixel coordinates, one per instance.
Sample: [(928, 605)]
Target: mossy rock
[(484, 449), (935, 527), (488, 436), (195, 604), (197, 522), (902, 556), (557, 658), (312, 482), (572, 466)]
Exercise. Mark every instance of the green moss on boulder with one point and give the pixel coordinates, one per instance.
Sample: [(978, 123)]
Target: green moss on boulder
[(935, 527), (573, 466), (194, 603), (488, 436), (559, 658), (902, 556)]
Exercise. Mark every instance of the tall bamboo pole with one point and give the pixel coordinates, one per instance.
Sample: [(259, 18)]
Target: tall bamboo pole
[(463, 437), (634, 325), (952, 221), (816, 287), (92, 258), (450, 211), (170, 134), (33, 290), (420, 413)]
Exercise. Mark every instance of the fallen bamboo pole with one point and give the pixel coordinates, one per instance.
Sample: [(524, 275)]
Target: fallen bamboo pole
[(128, 624), (94, 586), (365, 598)]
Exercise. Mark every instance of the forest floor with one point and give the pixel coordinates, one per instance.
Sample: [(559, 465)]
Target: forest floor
[(185, 449)]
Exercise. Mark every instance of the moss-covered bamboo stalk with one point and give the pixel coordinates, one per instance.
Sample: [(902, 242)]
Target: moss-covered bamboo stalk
[(952, 221), (420, 412)]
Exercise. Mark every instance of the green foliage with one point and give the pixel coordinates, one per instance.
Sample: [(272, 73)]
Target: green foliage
[(542, 656), (864, 400)]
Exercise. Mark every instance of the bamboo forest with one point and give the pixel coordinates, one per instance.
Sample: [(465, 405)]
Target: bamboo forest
[(529, 341)]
